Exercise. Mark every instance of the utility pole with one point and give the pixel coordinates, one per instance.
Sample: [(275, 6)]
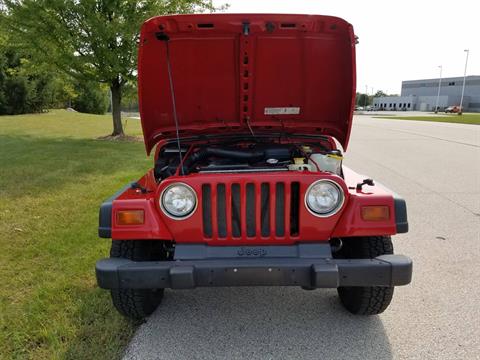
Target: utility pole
[(439, 86), (464, 78)]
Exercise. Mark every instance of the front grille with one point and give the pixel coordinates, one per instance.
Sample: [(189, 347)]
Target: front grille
[(268, 209)]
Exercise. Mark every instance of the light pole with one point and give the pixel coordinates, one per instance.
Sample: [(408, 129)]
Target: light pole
[(464, 78), (365, 98), (439, 86)]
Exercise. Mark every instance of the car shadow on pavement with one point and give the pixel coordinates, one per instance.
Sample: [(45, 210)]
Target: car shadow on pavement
[(257, 323)]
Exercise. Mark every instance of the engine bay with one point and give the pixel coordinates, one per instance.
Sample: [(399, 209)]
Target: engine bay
[(246, 157)]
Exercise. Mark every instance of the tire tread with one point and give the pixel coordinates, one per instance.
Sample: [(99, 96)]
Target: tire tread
[(135, 303), (366, 300)]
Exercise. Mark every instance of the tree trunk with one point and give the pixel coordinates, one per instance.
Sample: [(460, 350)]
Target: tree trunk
[(116, 89)]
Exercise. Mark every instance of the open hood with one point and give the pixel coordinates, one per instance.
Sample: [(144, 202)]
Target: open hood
[(246, 73)]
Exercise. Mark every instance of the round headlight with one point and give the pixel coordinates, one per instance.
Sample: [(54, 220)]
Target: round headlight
[(178, 200), (324, 198)]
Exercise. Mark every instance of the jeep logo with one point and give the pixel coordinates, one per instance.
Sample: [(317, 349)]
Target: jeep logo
[(252, 252)]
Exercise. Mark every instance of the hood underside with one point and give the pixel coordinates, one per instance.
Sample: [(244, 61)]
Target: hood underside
[(255, 73)]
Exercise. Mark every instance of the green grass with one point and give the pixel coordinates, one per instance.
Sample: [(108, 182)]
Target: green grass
[(454, 118), (54, 175)]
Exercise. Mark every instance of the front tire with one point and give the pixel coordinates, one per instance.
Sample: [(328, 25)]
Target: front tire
[(137, 304), (365, 300)]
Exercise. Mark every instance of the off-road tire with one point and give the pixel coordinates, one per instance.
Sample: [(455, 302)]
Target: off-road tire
[(365, 300), (137, 304)]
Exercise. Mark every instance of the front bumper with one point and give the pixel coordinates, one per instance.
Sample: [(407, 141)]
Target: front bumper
[(385, 270)]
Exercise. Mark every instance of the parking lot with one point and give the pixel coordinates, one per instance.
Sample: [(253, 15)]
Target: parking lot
[(436, 168)]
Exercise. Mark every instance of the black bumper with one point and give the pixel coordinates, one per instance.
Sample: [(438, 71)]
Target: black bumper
[(385, 270)]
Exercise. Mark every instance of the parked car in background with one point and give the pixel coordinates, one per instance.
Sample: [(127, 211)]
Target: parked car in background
[(452, 109)]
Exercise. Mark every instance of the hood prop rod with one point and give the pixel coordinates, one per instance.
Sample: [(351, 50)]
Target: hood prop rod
[(165, 37)]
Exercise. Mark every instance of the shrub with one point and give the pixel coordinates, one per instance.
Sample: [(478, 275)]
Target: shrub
[(91, 99)]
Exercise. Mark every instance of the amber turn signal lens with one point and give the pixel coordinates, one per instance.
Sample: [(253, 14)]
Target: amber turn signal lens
[(375, 213), (130, 217)]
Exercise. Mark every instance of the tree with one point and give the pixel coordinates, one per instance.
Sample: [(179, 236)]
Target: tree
[(91, 98), (25, 87), (380, 93), (91, 40), (130, 98), (362, 99)]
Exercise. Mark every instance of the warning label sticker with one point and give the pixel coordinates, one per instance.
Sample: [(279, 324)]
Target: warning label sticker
[(282, 111)]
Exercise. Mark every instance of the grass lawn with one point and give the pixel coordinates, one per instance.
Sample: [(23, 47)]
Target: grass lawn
[(454, 118), (53, 177)]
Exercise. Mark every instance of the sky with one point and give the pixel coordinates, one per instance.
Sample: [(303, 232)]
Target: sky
[(399, 40)]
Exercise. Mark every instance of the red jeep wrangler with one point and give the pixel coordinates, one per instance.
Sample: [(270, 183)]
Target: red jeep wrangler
[(247, 114)]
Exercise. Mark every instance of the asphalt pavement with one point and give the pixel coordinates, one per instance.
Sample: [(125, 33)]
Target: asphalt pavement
[(436, 168)]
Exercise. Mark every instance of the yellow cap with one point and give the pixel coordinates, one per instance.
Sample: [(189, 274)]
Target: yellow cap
[(306, 149), (336, 157)]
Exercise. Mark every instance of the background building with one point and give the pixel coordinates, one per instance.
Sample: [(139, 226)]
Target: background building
[(421, 95)]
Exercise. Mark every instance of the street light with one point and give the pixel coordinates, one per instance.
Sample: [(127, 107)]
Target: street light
[(439, 86), (464, 77)]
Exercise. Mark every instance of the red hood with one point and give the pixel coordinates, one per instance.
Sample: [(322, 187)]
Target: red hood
[(247, 73)]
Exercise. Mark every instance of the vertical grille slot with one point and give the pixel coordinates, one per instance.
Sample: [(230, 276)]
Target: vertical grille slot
[(236, 220), (221, 211), (265, 209), (280, 209), (235, 210), (250, 209), (294, 208), (207, 210)]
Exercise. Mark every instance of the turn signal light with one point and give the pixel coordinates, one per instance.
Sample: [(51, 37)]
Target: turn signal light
[(130, 217), (375, 213)]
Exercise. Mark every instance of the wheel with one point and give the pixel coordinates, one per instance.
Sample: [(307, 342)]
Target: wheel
[(137, 303), (365, 300)]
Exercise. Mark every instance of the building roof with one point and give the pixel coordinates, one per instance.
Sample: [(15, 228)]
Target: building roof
[(456, 78)]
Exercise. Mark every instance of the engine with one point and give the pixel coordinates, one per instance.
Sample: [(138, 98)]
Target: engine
[(237, 158)]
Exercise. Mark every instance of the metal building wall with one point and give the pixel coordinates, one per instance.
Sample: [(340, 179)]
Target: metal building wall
[(427, 90), (422, 95)]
